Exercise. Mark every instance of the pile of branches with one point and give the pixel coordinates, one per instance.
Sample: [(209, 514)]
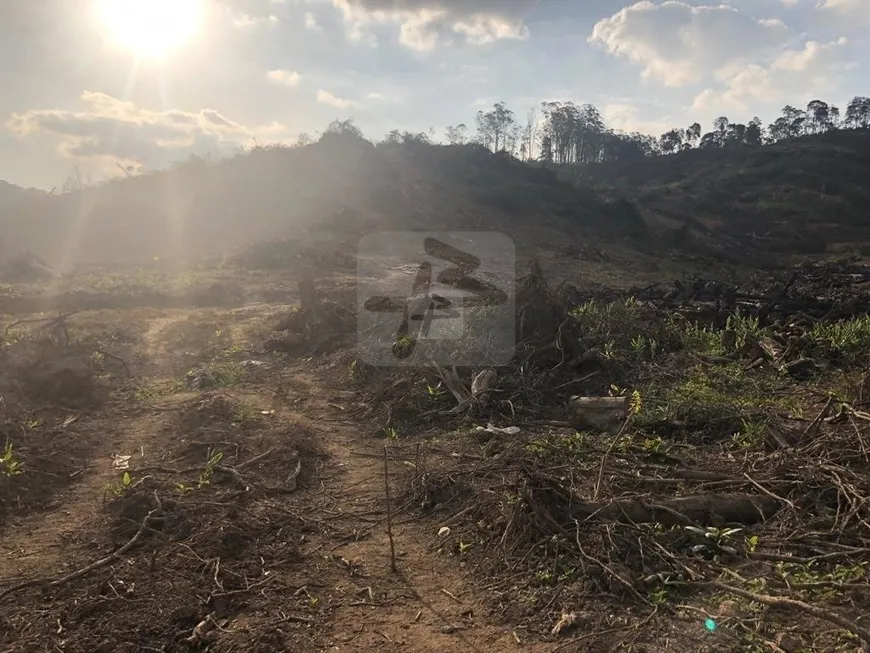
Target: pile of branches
[(785, 522), (812, 292), (554, 359), (562, 352), (587, 517)]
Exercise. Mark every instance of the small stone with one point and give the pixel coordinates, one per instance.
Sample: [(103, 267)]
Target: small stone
[(789, 643), (729, 609)]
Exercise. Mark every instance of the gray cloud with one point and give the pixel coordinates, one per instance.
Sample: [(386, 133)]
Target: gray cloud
[(110, 128), (505, 8), (424, 23)]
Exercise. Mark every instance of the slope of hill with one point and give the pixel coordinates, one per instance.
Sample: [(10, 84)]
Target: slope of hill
[(806, 195), (334, 190), (12, 195)]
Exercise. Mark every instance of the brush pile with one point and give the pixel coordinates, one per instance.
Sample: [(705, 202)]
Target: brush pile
[(740, 474)]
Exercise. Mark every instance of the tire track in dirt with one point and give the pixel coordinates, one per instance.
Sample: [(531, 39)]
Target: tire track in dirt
[(32, 545)]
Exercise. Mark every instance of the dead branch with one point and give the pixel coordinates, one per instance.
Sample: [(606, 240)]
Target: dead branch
[(607, 454), (771, 304), (702, 509), (389, 513), (813, 610), (768, 492), (119, 359), (102, 562), (251, 461), (50, 321), (605, 568)]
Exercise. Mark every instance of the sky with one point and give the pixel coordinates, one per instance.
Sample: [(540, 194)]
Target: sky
[(100, 86)]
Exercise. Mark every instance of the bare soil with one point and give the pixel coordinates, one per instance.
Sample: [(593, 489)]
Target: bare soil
[(171, 484), (238, 559)]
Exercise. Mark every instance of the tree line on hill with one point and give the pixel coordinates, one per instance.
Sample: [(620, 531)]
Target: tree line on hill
[(568, 133)]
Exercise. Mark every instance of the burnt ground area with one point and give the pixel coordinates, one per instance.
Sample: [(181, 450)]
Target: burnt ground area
[(178, 479), (712, 495)]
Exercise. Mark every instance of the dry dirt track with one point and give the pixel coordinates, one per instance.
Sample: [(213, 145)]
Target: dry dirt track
[(262, 569)]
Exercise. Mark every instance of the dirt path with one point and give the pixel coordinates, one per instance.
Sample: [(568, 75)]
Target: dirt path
[(33, 544), (431, 604)]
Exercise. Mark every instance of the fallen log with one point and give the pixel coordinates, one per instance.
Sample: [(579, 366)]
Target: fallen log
[(597, 413), (704, 509)]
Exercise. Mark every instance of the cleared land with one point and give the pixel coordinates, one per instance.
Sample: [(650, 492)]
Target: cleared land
[(197, 459)]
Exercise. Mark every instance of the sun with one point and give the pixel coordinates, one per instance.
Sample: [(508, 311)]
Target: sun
[(150, 28)]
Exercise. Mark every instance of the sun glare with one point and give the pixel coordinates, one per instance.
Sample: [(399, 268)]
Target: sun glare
[(150, 28)]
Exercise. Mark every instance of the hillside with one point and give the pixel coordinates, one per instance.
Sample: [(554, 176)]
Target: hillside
[(11, 195), (807, 195), (334, 190)]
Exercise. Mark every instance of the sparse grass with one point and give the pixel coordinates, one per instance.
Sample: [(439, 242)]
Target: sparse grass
[(746, 328), (751, 434), (228, 374), (219, 375), (404, 346), (156, 389), (701, 340), (123, 485), (560, 447), (214, 459), (9, 463), (848, 338), (605, 321), (723, 401), (807, 577), (243, 414), (139, 281)]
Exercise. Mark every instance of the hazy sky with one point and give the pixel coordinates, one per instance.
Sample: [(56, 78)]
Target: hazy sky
[(84, 86)]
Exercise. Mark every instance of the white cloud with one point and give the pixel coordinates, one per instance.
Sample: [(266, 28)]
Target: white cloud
[(794, 76), (680, 44), (856, 7), (311, 22), (813, 56), (249, 22), (284, 77), (328, 98), (419, 30), (625, 117), (109, 128), (425, 23), (480, 30)]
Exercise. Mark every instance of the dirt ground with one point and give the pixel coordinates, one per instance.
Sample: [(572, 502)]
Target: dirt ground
[(241, 561), (170, 483)]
